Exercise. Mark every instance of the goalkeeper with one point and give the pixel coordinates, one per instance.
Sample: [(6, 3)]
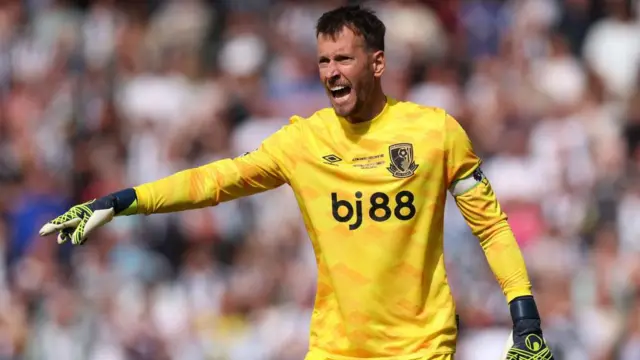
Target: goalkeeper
[(371, 176)]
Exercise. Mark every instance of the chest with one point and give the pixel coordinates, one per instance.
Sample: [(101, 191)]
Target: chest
[(377, 182), (383, 163)]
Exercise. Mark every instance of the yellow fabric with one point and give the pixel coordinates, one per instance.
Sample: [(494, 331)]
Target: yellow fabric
[(382, 291), (220, 181), (484, 215), (316, 356)]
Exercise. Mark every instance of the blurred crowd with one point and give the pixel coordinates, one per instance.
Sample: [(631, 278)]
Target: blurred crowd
[(100, 95)]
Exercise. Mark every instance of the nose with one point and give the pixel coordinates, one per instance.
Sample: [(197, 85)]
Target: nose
[(332, 79), (332, 72)]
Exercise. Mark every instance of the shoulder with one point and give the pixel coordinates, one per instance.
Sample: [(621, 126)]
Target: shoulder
[(416, 111), (424, 116), (320, 115), (315, 122)]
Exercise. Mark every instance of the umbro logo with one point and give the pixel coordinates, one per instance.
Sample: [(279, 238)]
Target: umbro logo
[(331, 159)]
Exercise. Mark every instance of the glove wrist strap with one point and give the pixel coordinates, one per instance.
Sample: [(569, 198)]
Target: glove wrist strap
[(124, 201), (525, 316), (523, 308)]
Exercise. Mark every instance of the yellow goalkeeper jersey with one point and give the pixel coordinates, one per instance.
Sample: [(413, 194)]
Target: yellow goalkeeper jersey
[(372, 197)]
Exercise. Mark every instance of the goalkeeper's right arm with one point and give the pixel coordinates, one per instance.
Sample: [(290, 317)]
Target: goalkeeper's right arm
[(211, 184), (208, 185)]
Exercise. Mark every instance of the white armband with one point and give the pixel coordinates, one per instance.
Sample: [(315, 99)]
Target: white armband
[(462, 186)]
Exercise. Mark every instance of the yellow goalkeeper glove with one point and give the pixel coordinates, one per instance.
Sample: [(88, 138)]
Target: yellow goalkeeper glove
[(81, 220), (526, 341)]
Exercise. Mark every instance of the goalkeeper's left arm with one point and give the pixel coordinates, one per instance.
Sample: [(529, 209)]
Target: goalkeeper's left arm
[(476, 201), (208, 185), (478, 204)]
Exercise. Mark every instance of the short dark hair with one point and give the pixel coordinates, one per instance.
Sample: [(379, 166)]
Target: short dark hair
[(360, 20)]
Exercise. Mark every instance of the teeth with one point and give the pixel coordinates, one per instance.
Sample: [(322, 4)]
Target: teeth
[(337, 88)]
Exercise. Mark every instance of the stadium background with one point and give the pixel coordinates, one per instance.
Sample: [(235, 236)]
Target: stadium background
[(101, 95)]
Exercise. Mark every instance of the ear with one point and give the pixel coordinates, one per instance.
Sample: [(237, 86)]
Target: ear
[(378, 64)]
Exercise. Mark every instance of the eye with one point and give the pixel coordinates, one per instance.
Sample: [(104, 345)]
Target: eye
[(343, 59)]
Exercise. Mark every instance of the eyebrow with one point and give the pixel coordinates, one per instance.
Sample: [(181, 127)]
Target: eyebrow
[(335, 55)]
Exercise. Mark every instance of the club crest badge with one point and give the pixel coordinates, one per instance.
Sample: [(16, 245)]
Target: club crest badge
[(402, 163)]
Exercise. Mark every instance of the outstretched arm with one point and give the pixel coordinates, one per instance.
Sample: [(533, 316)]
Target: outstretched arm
[(212, 184), (208, 185)]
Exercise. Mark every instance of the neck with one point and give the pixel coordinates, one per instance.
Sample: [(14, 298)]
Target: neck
[(377, 103)]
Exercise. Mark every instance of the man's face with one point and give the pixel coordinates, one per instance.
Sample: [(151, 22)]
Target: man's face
[(347, 71)]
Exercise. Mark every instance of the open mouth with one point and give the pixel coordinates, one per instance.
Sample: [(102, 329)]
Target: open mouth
[(338, 92)]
